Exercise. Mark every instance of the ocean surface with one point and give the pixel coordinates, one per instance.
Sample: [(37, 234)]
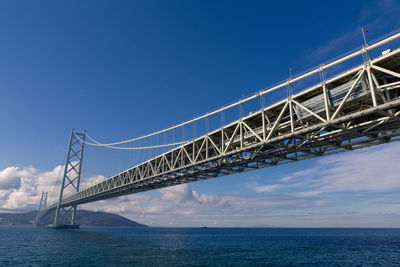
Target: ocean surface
[(101, 246)]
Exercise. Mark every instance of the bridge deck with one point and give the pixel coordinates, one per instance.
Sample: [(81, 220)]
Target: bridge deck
[(337, 115)]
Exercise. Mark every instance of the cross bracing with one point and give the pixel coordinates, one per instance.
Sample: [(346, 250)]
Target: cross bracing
[(355, 109)]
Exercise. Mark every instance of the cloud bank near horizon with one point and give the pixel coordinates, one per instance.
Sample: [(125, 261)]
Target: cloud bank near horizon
[(356, 189)]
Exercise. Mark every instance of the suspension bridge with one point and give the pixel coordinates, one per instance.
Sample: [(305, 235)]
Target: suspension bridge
[(348, 106)]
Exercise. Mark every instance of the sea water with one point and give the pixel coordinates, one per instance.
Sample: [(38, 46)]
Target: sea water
[(116, 246)]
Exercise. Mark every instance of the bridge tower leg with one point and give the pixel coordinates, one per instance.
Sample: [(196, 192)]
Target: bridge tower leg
[(42, 206), (71, 179)]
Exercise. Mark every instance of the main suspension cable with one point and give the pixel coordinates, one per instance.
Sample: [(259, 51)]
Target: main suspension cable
[(96, 143), (394, 35)]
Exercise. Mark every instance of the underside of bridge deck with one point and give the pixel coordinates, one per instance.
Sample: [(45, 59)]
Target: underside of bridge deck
[(355, 109)]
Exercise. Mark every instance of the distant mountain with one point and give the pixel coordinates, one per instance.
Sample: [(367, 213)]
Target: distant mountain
[(84, 218)]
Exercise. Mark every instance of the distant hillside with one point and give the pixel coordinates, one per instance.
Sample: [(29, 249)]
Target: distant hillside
[(84, 218)]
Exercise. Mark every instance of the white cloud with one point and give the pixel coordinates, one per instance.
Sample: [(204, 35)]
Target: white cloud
[(374, 170), (177, 194), (367, 170), (307, 197), (16, 187), (181, 206), (9, 179), (86, 182), (263, 188), (20, 187)]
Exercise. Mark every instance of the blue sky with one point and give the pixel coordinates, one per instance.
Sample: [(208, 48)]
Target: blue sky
[(120, 69)]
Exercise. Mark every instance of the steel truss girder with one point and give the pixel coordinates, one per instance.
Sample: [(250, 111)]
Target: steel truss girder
[(339, 114), (239, 162)]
